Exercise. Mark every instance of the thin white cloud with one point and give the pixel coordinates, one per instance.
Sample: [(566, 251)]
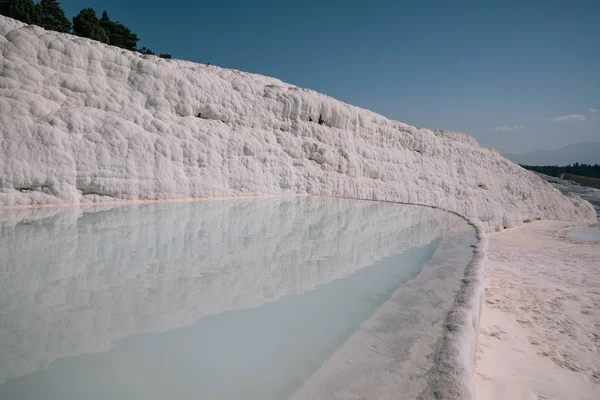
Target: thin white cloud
[(571, 117), (593, 109), (508, 128)]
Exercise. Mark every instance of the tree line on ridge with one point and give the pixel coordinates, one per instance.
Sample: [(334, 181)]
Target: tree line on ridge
[(49, 15), (592, 171)]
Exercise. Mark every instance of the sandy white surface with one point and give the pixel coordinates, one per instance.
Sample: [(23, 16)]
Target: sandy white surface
[(540, 324)]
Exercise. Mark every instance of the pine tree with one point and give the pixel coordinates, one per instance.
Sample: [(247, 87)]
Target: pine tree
[(87, 24), (22, 10), (51, 16), (165, 56), (119, 35)]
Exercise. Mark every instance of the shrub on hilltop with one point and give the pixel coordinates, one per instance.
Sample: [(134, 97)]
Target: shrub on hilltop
[(147, 51)]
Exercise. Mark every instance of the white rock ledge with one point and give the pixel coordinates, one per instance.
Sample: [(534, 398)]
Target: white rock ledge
[(454, 376), (84, 122)]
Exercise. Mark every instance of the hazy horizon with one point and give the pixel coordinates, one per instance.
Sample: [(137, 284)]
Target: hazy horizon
[(583, 153)]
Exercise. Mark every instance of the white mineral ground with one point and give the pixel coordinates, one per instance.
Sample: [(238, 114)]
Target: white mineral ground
[(82, 122), (540, 325)]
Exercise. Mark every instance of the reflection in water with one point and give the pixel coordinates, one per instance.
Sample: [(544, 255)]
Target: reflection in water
[(76, 282)]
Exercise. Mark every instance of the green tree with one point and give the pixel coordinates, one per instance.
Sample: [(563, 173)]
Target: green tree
[(51, 16), (165, 55), (22, 10), (87, 24), (118, 34)]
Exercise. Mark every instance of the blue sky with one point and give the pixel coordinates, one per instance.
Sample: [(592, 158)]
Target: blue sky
[(501, 72)]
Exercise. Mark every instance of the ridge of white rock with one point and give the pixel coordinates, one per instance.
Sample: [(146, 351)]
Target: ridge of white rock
[(85, 122)]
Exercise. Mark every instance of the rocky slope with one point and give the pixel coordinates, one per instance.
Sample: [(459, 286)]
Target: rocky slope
[(82, 122)]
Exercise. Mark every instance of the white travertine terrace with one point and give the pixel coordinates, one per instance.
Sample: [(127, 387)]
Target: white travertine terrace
[(81, 121), (84, 122)]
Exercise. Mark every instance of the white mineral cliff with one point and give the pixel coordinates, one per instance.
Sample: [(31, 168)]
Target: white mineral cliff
[(81, 121)]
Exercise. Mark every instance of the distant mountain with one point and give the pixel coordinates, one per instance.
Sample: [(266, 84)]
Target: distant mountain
[(585, 153)]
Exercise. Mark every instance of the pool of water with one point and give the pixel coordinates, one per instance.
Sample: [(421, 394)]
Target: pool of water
[(212, 299), (584, 233)]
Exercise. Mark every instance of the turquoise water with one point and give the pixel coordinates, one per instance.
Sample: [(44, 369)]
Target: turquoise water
[(220, 299)]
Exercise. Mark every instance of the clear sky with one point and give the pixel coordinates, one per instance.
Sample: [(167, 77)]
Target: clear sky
[(501, 72)]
